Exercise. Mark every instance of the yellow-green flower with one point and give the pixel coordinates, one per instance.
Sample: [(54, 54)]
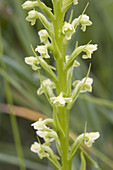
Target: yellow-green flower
[(29, 5), (32, 61), (42, 49), (68, 30), (32, 16), (44, 36)]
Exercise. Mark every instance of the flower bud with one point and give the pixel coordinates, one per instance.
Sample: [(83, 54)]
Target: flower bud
[(29, 5)]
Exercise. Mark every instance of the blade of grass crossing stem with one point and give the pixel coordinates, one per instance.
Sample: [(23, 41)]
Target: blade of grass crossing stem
[(12, 116)]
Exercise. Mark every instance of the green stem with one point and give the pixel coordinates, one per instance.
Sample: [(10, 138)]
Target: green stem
[(61, 86)]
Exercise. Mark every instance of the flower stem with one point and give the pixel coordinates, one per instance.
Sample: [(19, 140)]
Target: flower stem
[(62, 112)]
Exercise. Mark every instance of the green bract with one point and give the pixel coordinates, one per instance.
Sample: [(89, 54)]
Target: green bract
[(58, 85)]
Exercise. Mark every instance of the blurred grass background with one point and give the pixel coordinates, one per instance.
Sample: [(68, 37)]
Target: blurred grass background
[(18, 85)]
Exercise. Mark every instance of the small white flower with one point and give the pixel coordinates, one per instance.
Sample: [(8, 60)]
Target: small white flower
[(68, 30), (92, 136), (75, 2), (84, 21), (89, 49), (43, 131), (32, 16), (40, 149), (29, 5), (32, 61), (43, 36), (42, 49), (40, 125), (46, 83), (85, 85), (60, 100), (48, 136), (89, 138)]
